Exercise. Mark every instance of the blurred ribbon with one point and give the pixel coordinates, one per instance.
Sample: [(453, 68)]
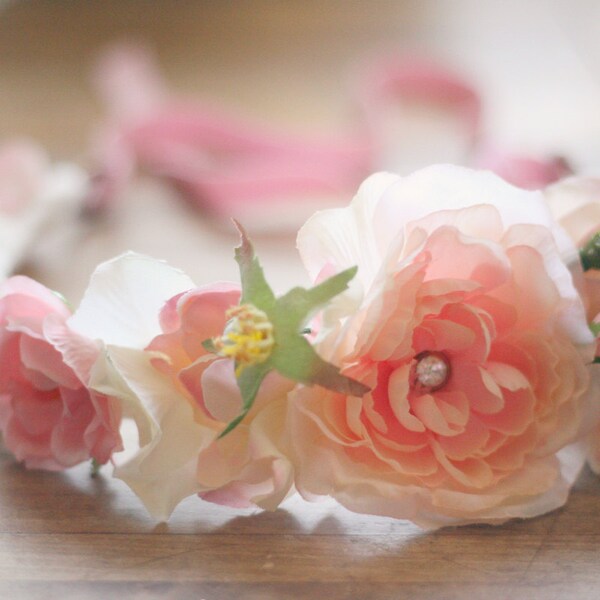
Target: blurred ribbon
[(226, 165)]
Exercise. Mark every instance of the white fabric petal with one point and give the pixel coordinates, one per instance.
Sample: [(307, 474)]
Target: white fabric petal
[(362, 233), (61, 191), (575, 204), (163, 471), (122, 303), (443, 187), (347, 237)]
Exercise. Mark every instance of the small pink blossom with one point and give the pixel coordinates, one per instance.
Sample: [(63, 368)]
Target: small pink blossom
[(246, 467), (48, 418)]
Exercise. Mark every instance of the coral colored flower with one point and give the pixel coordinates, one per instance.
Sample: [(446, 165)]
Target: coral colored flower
[(152, 321), (48, 418), (467, 327)]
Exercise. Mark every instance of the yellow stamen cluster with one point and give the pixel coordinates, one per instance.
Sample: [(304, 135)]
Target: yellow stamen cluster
[(248, 337)]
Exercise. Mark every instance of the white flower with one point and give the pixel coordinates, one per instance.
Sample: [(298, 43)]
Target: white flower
[(32, 191)]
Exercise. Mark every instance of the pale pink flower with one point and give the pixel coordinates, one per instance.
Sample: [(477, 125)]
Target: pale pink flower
[(460, 271), (151, 320), (245, 467), (48, 418)]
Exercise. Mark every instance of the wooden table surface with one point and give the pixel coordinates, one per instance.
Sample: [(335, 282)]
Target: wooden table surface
[(71, 536)]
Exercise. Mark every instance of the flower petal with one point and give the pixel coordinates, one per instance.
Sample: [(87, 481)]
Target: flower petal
[(122, 303)]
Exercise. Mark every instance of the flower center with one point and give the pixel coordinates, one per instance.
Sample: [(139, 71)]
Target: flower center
[(432, 371), (248, 337)]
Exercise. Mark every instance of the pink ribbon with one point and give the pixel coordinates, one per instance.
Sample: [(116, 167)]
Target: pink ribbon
[(223, 164)]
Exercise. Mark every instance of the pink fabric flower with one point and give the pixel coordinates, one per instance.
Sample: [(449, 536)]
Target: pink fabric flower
[(151, 320), (246, 467), (48, 417), (466, 325)]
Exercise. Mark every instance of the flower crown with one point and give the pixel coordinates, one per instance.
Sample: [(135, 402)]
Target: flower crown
[(442, 368)]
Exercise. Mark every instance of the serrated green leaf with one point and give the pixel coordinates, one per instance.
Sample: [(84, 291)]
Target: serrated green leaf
[(595, 328), (291, 355), (255, 289), (299, 361), (295, 307), (249, 383)]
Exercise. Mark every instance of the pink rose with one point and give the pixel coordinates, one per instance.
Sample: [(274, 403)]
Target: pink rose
[(48, 418), (465, 323)]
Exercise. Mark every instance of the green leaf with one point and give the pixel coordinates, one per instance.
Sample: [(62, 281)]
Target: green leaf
[(255, 289), (233, 424), (590, 254), (298, 360), (295, 307), (249, 383), (291, 355)]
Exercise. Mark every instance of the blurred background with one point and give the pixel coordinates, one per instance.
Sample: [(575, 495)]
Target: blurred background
[(296, 67)]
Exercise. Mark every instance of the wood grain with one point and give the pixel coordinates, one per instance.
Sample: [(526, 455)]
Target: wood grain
[(68, 535), (71, 536)]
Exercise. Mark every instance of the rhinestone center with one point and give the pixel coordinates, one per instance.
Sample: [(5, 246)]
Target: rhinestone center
[(432, 371)]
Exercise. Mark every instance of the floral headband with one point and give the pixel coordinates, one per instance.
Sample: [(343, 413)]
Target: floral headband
[(442, 368)]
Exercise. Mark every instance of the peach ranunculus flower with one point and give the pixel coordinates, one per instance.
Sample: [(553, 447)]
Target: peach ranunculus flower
[(152, 321), (48, 418), (465, 323), (575, 204)]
